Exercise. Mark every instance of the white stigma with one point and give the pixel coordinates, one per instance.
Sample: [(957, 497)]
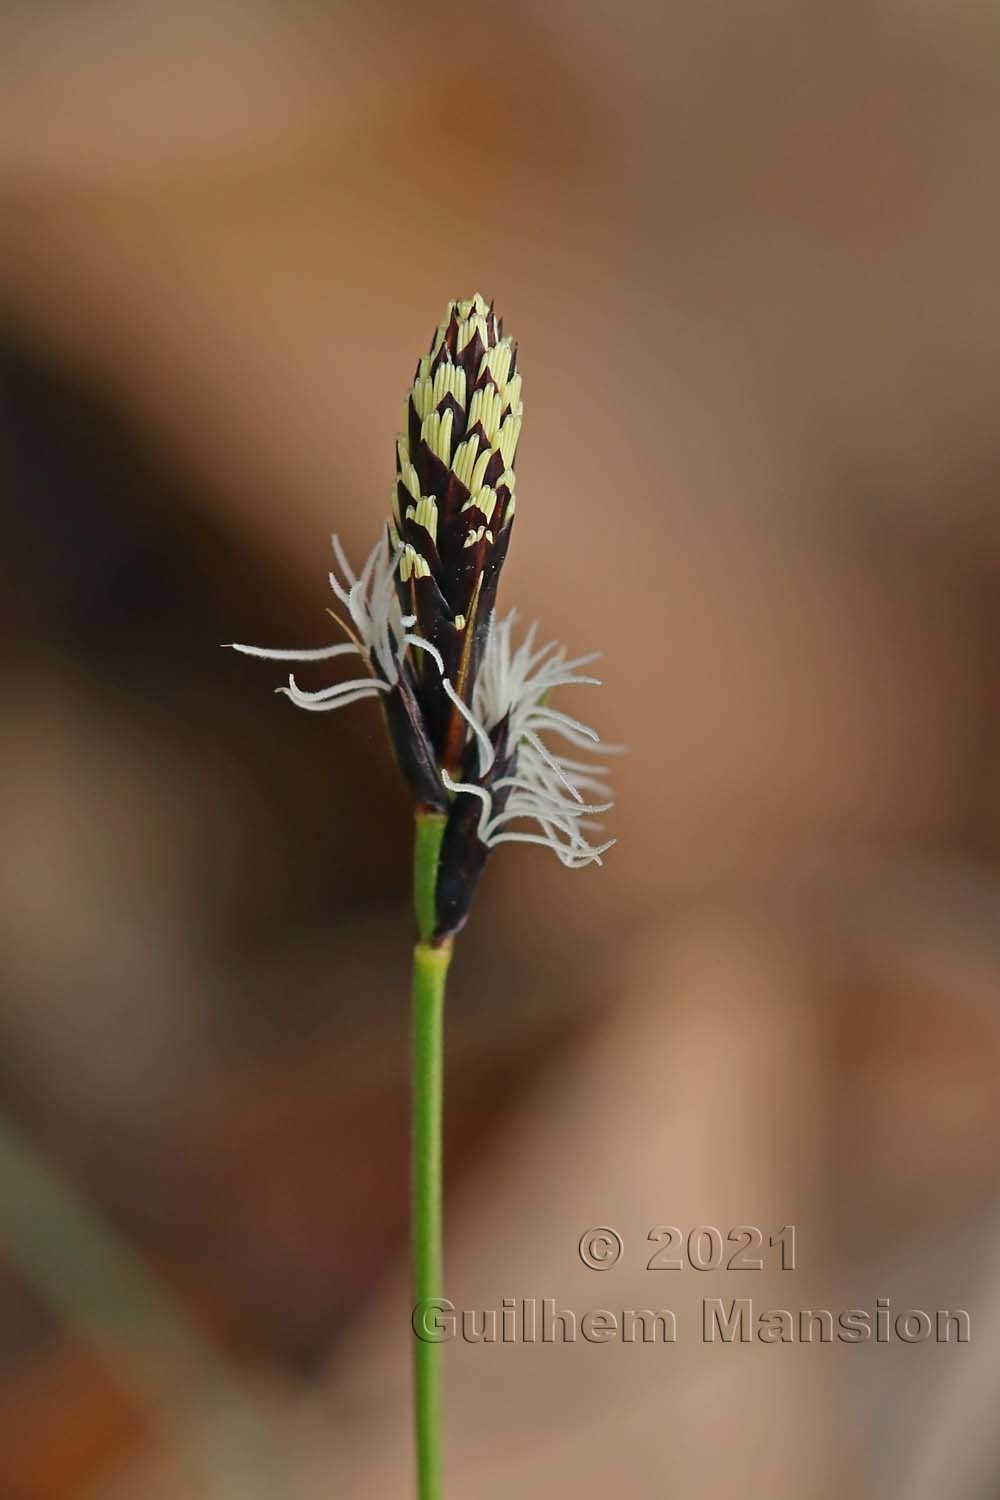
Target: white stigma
[(559, 794), (377, 629)]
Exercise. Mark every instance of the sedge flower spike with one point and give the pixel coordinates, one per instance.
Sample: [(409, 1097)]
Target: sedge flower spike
[(468, 711), (453, 504)]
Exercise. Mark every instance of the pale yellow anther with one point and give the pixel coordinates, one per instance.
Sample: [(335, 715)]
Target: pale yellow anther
[(497, 362), (484, 500), (470, 305), (509, 434), (436, 433), (425, 514), (411, 564), (423, 396), (393, 535), (408, 475), (394, 501), (512, 395), (511, 508), (449, 380), (479, 470), (477, 535), (468, 329), (403, 450), (459, 622), (471, 313), (485, 407), (465, 458)]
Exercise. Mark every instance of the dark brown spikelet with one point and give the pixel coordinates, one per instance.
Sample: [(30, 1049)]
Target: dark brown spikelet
[(453, 504)]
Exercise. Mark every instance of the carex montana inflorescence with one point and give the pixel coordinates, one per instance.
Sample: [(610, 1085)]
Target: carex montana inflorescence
[(467, 709)]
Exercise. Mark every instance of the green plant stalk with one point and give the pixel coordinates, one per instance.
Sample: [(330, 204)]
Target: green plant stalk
[(430, 968)]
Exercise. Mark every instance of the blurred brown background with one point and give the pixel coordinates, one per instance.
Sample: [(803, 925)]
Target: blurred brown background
[(750, 255)]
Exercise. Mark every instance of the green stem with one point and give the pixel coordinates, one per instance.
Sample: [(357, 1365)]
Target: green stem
[(430, 968), (429, 831)]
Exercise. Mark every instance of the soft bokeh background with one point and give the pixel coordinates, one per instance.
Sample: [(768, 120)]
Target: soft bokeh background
[(750, 254)]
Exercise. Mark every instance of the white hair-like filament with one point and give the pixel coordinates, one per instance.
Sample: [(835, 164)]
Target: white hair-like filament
[(378, 631), (556, 792), (560, 794)]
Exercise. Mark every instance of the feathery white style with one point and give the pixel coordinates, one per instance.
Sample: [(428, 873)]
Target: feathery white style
[(378, 629), (547, 788)]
